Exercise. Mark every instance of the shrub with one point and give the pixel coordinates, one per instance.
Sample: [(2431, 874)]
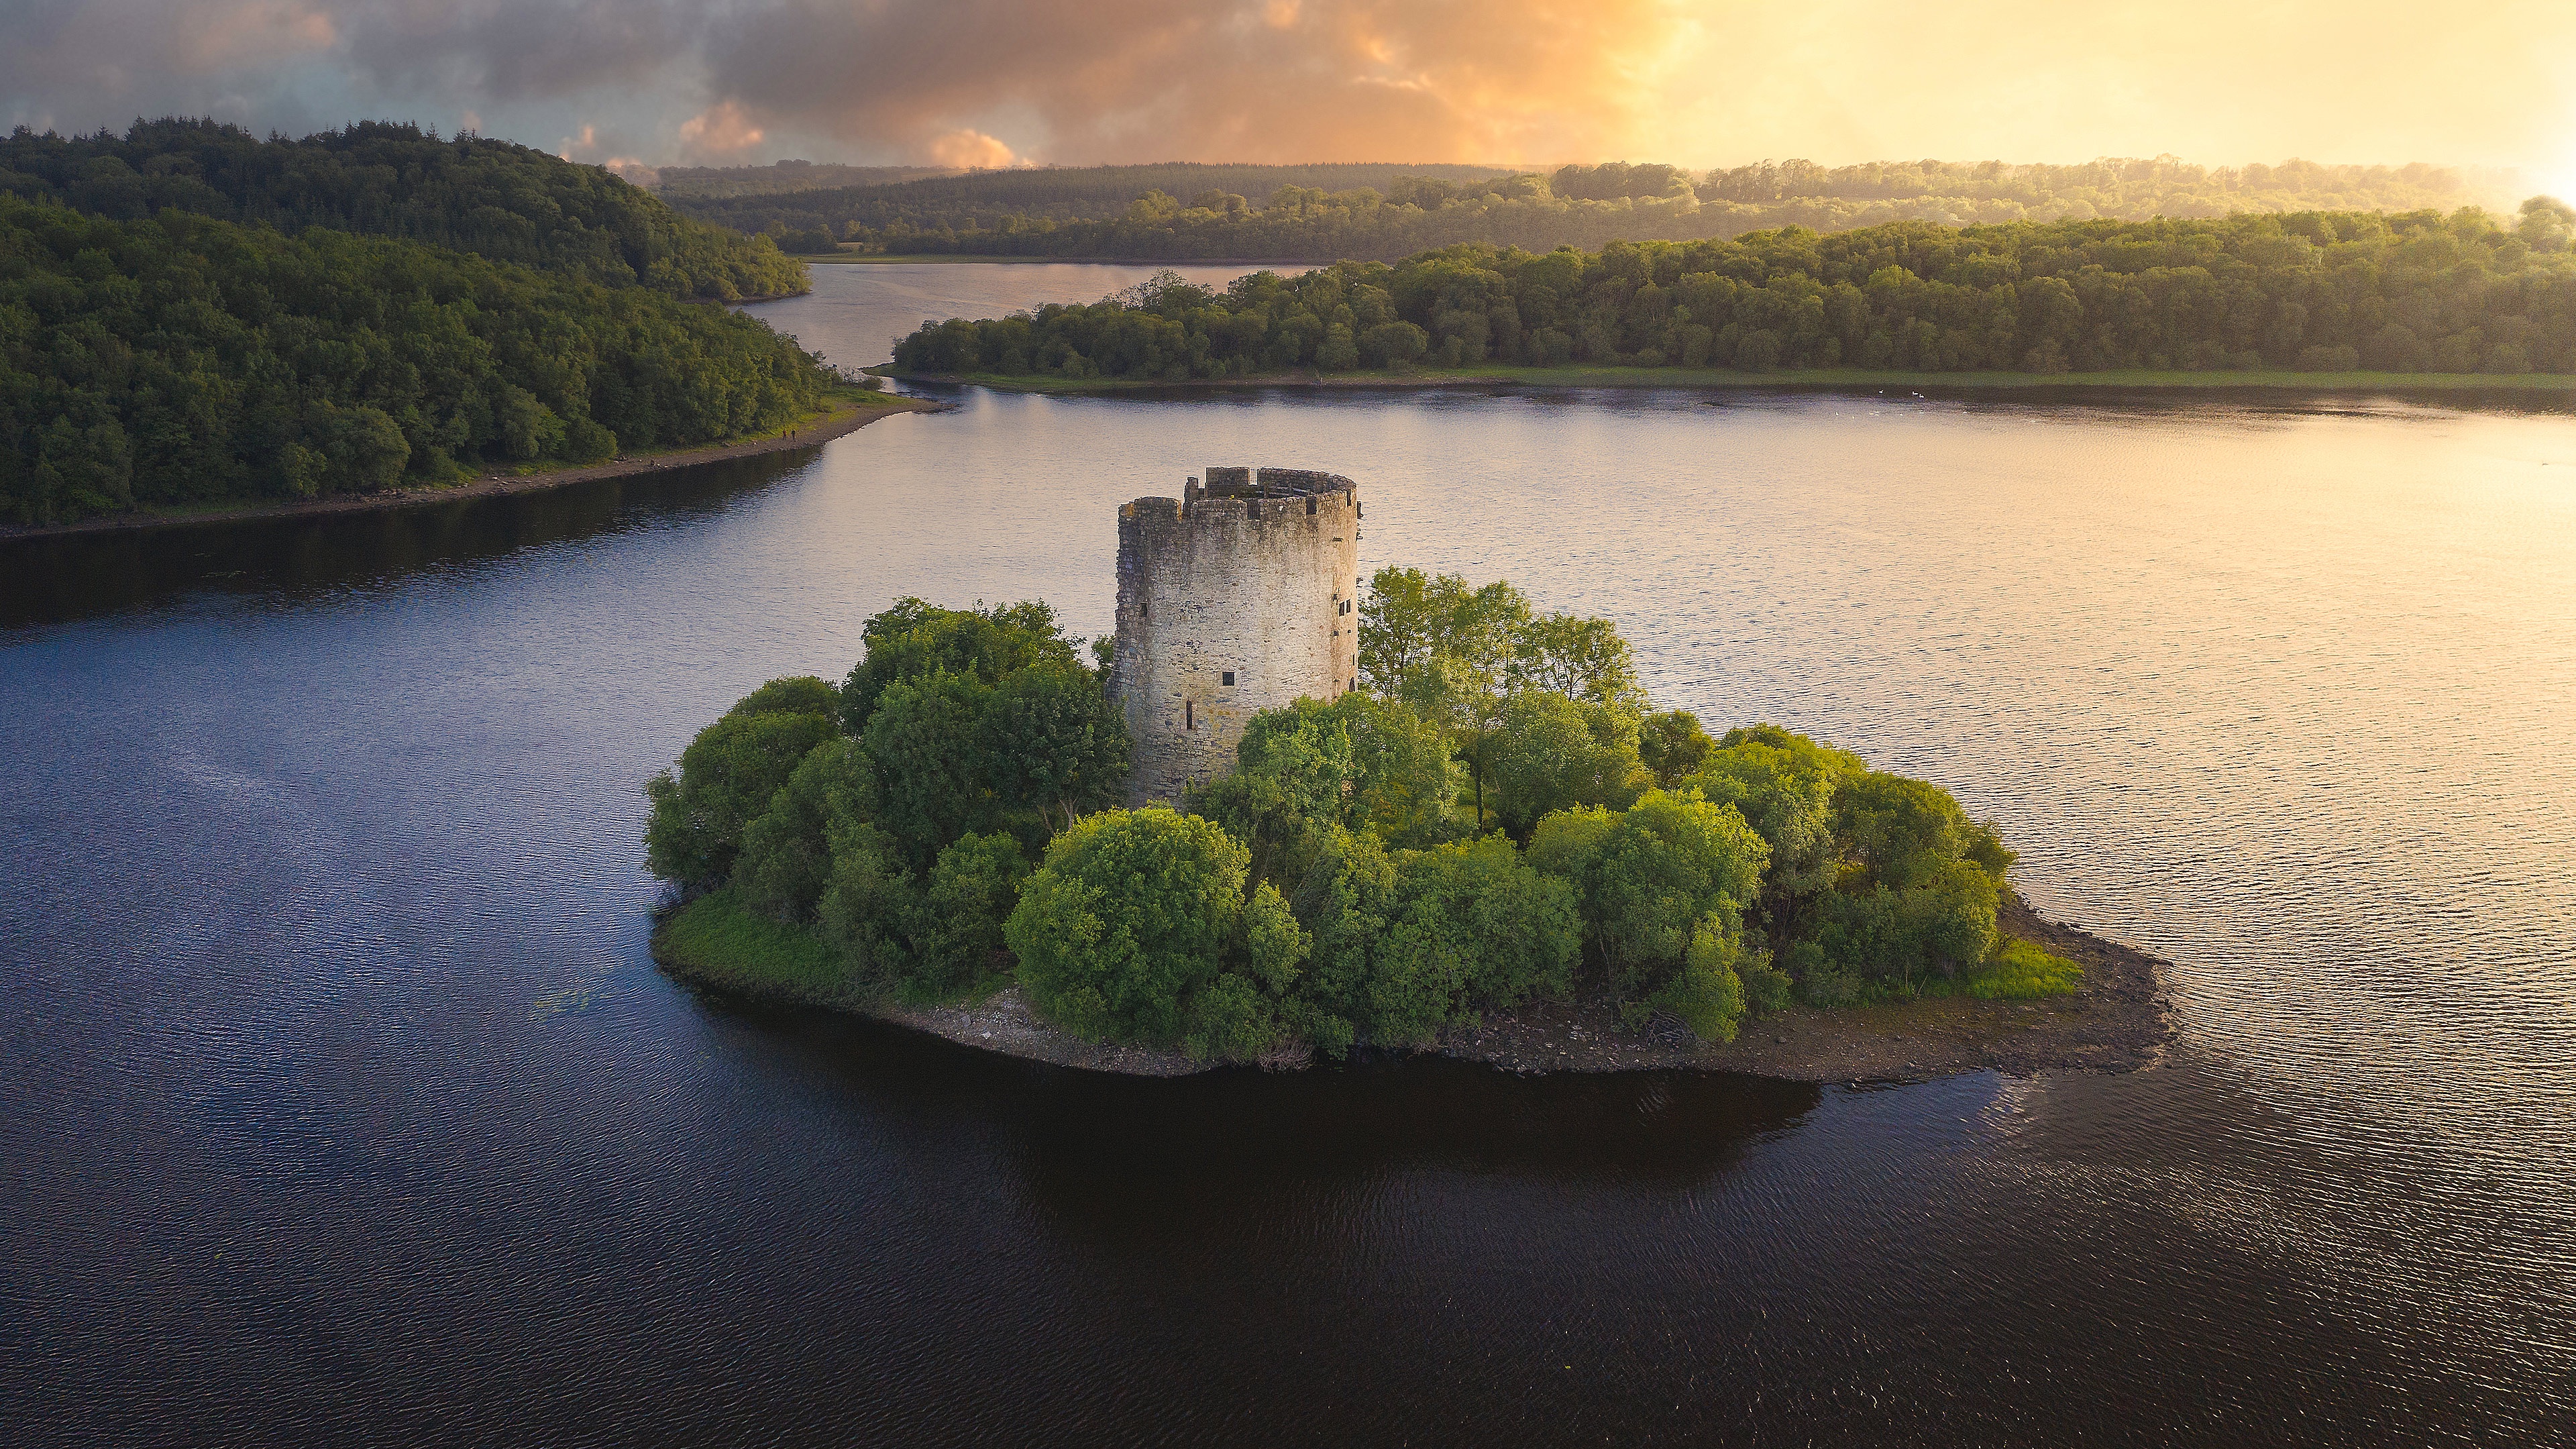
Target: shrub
[(2020, 970), (956, 927), (1707, 993)]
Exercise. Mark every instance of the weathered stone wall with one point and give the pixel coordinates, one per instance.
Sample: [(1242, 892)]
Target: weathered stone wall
[(1233, 598)]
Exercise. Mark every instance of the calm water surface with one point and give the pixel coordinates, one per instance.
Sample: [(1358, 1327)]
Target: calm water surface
[(345, 1102)]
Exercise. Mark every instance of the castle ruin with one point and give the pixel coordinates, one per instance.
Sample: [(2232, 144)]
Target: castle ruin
[(1236, 597)]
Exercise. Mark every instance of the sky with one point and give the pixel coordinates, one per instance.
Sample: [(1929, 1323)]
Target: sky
[(2489, 83)]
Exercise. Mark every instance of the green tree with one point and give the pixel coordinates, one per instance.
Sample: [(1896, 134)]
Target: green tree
[(786, 861), (1582, 659), (727, 777), (931, 778), (1051, 742), (1672, 746), (870, 907), (1547, 753), (1650, 880), (915, 639), (1134, 914)]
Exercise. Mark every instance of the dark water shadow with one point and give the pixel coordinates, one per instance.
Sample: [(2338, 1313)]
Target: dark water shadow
[(1143, 1157), (63, 577)]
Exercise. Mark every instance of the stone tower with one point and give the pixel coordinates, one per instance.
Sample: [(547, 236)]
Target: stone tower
[(1236, 597)]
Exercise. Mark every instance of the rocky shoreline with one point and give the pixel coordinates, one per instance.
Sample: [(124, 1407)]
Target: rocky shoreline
[(2116, 1022), (845, 416)]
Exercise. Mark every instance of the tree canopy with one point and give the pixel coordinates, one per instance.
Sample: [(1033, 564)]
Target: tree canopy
[(379, 178), (1497, 817), (2314, 291), (182, 359)]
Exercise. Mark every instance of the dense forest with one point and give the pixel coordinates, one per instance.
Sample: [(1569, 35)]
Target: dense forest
[(2414, 292), (670, 182), (986, 201), (1384, 213), (180, 359), (377, 178), (1498, 816)]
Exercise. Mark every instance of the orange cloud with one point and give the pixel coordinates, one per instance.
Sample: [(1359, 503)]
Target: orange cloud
[(1279, 80), (724, 129), (971, 149)]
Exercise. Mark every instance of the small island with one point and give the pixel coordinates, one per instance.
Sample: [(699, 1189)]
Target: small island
[(1276, 817)]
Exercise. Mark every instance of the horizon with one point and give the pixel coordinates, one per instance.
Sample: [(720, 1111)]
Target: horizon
[(1522, 85)]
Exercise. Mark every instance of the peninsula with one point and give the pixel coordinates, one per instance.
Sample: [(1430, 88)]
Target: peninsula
[(2313, 299)]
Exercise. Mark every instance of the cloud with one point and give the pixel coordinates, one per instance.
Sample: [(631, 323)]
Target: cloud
[(970, 149), (1277, 80), (1697, 82), (721, 130)]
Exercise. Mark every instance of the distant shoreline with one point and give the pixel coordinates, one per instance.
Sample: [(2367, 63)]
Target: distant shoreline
[(926, 258), (2116, 1021), (1834, 380), (847, 414)]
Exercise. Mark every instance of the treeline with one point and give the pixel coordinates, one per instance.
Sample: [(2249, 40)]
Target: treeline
[(1499, 816), (1384, 213), (378, 178), (987, 200), (182, 359), (2418, 291), (671, 182)]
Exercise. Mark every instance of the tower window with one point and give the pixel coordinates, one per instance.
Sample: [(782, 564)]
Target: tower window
[(1189, 715), (1310, 508), (1227, 677), (1252, 508)]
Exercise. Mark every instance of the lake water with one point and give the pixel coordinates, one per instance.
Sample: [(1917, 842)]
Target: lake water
[(343, 1099)]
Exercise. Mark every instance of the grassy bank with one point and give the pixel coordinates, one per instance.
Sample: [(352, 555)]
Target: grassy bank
[(714, 941), (2531, 385)]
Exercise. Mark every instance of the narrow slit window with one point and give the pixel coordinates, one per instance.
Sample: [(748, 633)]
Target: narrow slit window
[(1310, 508), (1189, 715)]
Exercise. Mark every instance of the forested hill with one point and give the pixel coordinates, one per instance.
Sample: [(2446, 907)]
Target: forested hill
[(2419, 291), (182, 359), (1385, 213), (507, 202)]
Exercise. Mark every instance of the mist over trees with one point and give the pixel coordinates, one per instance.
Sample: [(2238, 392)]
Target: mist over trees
[(2419, 291), (1385, 213), (379, 178)]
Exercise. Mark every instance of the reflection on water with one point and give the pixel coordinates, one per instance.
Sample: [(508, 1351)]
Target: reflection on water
[(345, 1101)]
